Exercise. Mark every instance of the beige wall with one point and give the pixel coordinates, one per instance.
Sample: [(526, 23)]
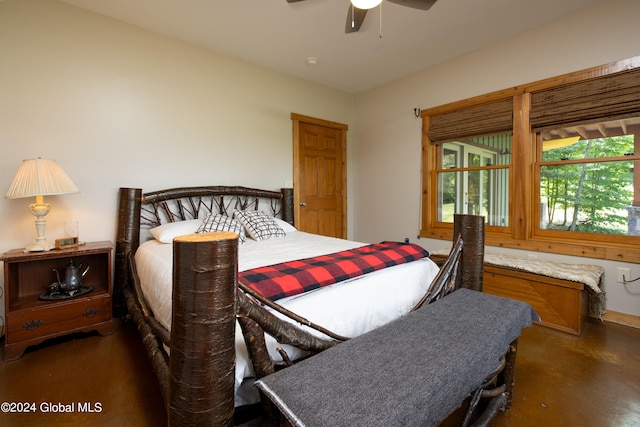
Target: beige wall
[(120, 106), (116, 106), (386, 184)]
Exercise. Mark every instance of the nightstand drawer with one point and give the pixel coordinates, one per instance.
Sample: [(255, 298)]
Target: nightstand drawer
[(65, 316)]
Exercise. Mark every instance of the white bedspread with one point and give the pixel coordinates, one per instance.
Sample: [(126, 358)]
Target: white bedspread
[(348, 308)]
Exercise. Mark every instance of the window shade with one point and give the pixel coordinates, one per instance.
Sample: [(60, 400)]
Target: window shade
[(609, 97), (479, 120)]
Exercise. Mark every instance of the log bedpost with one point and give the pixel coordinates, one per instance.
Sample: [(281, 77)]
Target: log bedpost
[(202, 362), (471, 228), (127, 241), (287, 204)]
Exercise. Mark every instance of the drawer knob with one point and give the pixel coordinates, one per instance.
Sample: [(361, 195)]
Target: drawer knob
[(90, 312), (32, 324)]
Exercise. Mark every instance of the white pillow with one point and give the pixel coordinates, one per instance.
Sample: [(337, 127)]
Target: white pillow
[(218, 222), (259, 225), (288, 228), (165, 233)]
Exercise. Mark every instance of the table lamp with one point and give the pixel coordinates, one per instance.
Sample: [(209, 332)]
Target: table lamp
[(38, 178)]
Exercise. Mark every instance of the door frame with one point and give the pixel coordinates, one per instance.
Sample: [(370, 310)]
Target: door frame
[(296, 120)]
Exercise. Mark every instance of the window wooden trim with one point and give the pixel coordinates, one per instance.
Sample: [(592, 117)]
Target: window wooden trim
[(521, 234)]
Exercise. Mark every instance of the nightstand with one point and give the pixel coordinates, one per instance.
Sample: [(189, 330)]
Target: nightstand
[(31, 320)]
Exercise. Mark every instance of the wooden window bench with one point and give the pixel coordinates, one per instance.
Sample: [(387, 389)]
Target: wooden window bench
[(564, 295)]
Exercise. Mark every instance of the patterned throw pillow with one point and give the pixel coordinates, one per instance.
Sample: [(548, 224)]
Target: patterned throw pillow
[(259, 225), (218, 222)]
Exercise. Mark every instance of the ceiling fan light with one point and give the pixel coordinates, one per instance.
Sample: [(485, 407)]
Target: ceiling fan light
[(365, 4)]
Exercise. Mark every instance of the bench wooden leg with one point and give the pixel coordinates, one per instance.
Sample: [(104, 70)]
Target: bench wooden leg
[(498, 389), (509, 373)]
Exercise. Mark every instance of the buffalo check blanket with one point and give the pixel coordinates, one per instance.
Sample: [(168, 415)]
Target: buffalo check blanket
[(295, 277)]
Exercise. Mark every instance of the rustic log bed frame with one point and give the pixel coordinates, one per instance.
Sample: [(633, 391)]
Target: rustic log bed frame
[(197, 381)]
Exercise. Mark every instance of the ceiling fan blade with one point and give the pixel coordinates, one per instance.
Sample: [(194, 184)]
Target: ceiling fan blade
[(293, 1), (415, 4), (355, 17)]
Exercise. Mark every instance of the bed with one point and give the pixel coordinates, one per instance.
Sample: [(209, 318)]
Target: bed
[(154, 243), (356, 306)]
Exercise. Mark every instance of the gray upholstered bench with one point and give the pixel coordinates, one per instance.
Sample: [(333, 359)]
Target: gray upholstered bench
[(414, 371)]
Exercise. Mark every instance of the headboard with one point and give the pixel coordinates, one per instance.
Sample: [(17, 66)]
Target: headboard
[(138, 211)]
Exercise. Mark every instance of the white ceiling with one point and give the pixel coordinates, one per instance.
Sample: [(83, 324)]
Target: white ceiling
[(281, 35)]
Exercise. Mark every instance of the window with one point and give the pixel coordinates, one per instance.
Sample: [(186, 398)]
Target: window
[(551, 165), (473, 178), (586, 178)]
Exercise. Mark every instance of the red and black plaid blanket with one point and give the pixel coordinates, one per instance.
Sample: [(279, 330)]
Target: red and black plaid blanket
[(295, 277)]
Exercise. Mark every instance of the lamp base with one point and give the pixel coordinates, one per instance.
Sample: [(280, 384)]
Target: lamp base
[(39, 247), (40, 209)]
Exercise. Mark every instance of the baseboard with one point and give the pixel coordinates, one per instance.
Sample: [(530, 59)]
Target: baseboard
[(622, 319)]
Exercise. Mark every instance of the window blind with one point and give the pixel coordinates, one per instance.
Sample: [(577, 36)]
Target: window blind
[(480, 120), (609, 97)]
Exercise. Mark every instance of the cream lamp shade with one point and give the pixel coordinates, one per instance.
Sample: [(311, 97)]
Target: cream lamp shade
[(37, 178), (365, 4)]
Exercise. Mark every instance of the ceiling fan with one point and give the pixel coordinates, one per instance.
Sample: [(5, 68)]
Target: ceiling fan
[(358, 10)]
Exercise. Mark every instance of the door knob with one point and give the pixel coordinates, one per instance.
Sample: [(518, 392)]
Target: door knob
[(303, 204)]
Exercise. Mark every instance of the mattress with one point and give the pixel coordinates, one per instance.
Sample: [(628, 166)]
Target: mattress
[(348, 308)]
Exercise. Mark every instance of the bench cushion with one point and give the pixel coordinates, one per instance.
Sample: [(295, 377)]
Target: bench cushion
[(413, 371)]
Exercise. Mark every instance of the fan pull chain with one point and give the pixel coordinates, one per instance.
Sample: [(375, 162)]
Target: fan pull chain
[(380, 32), (353, 16)]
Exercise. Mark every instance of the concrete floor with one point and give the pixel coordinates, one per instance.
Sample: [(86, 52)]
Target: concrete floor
[(564, 380), (561, 380)]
